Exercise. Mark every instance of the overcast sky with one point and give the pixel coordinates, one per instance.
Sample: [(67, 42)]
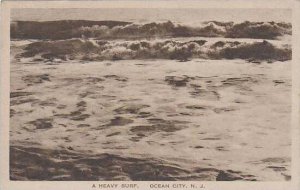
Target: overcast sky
[(145, 15)]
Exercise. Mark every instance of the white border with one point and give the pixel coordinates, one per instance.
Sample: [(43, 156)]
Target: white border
[(5, 184)]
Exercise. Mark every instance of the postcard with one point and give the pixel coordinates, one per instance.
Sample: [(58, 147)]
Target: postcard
[(150, 95)]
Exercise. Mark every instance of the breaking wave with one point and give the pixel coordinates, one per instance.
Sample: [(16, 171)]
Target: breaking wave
[(95, 50), (67, 29)]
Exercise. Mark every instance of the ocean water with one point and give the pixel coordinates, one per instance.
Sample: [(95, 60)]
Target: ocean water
[(192, 116)]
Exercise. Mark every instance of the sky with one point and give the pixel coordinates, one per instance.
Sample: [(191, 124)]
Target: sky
[(150, 15)]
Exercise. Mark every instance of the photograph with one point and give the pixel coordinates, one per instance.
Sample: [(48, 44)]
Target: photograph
[(150, 94)]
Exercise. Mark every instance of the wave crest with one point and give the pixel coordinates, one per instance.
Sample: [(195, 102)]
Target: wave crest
[(93, 50), (125, 30)]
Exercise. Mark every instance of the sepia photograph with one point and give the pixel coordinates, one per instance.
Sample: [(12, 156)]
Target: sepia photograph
[(150, 94)]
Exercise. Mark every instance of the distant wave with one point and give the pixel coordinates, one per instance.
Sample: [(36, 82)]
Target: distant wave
[(94, 50), (126, 30)]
